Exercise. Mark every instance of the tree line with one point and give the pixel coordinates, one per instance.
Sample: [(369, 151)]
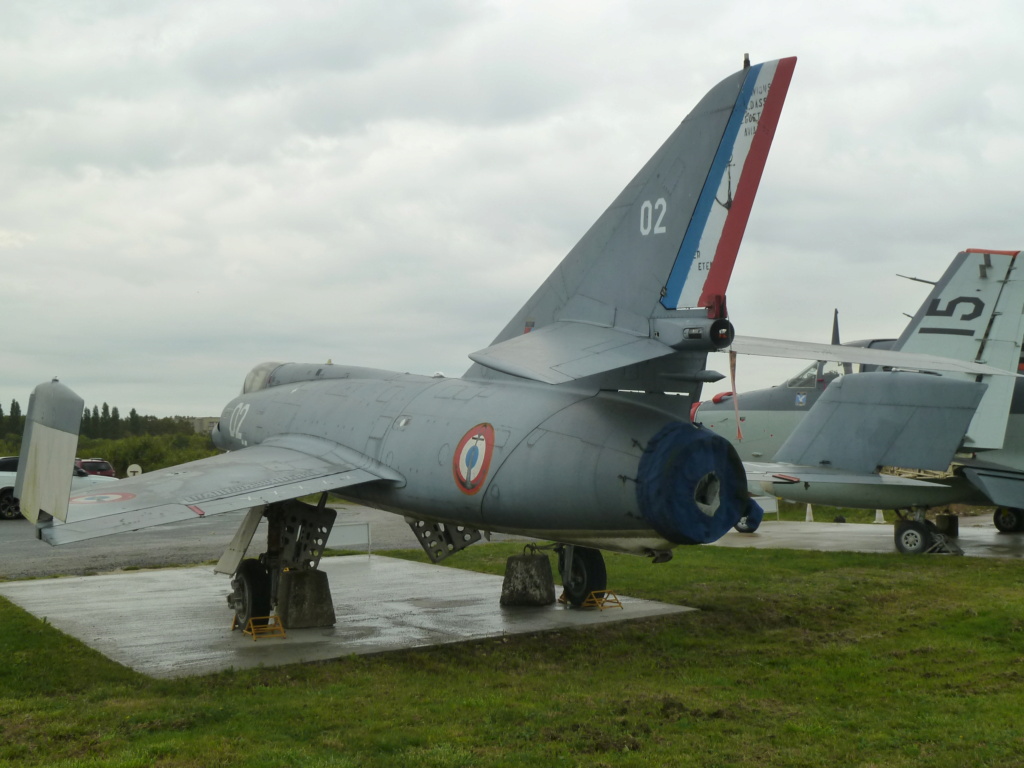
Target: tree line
[(146, 440), (98, 423)]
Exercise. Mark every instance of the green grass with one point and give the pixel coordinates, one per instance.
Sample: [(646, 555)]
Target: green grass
[(795, 659)]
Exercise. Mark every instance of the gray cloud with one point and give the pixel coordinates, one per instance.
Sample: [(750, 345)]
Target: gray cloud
[(192, 188)]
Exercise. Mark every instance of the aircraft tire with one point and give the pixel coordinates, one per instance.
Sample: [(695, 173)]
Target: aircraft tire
[(9, 507), (913, 537), (588, 574), (744, 525), (1008, 519), (252, 592)]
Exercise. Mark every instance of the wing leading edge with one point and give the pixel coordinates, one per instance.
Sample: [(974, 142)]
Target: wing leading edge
[(279, 469)]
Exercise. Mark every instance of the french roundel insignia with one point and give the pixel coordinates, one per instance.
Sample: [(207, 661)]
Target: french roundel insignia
[(102, 498), (473, 458)]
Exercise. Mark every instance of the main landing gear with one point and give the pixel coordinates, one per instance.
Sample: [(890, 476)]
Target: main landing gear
[(284, 577), (582, 570), (250, 596)]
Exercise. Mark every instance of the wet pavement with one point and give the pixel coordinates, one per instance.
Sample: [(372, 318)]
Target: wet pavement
[(977, 537), (174, 622)]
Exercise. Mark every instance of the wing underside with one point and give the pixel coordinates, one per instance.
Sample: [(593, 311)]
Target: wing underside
[(277, 470)]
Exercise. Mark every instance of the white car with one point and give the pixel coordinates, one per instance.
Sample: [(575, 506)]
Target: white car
[(9, 509)]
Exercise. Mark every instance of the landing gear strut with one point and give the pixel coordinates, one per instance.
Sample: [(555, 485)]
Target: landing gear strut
[(582, 570), (286, 575)]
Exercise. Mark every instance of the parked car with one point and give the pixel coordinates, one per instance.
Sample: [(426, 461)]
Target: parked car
[(96, 467), (9, 507)]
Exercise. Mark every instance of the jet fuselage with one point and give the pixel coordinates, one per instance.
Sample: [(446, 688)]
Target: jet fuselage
[(557, 463)]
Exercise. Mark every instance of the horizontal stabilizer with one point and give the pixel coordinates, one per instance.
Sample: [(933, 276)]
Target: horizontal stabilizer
[(1003, 486), (805, 350), (871, 420), (279, 469), (564, 351)]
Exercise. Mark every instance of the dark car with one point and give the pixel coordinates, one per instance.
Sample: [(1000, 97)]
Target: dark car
[(96, 467)]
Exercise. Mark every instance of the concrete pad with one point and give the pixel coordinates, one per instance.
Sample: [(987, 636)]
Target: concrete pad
[(175, 622)]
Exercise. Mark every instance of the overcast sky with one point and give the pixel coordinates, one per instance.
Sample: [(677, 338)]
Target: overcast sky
[(191, 188)]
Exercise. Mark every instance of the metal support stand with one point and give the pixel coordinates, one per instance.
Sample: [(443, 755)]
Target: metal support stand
[(296, 538), (439, 540), (943, 544)]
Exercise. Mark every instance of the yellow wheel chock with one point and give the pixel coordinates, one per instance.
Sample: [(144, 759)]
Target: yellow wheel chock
[(602, 599), (271, 628)]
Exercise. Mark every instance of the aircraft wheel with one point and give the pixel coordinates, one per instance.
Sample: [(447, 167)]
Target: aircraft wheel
[(251, 595), (1008, 519), (745, 526), (588, 574), (9, 507), (913, 537)]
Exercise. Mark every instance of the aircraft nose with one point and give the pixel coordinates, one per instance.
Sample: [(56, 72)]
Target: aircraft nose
[(217, 436)]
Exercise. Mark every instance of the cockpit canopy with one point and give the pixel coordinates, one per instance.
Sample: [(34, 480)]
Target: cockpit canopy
[(259, 377)]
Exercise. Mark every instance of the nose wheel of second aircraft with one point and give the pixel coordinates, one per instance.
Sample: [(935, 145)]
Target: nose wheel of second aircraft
[(917, 535), (913, 537)]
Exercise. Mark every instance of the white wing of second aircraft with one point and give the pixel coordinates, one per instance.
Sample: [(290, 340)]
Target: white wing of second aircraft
[(808, 350), (279, 469)]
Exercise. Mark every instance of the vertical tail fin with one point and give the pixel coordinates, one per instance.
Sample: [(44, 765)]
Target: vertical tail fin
[(663, 250), (974, 312), (48, 450)]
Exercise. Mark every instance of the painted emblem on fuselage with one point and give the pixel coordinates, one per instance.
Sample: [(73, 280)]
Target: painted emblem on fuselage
[(103, 498), (801, 398), (473, 458)]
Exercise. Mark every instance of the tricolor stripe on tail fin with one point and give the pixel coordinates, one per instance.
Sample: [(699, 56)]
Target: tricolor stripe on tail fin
[(713, 237)]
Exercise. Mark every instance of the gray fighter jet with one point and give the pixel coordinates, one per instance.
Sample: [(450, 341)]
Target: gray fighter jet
[(570, 427), (560, 430)]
